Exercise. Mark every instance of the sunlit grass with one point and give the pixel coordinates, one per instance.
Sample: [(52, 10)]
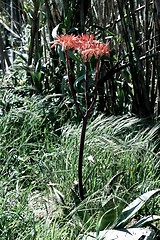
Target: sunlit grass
[(34, 160)]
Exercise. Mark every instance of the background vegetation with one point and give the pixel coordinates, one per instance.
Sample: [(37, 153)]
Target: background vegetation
[(39, 128), (129, 83)]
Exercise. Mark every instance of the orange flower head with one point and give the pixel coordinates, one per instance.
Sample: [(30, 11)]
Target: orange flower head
[(101, 49), (85, 44), (89, 47), (88, 38), (66, 41), (85, 41)]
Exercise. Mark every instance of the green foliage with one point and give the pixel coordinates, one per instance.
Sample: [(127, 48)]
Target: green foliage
[(128, 79), (134, 207), (38, 153), (39, 129)]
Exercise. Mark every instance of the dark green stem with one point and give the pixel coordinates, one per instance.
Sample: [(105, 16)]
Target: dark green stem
[(80, 160), (86, 85), (95, 87), (84, 124), (85, 117), (71, 84)]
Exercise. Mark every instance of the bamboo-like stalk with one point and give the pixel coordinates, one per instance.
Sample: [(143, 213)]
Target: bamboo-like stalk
[(157, 40), (4, 55), (34, 30)]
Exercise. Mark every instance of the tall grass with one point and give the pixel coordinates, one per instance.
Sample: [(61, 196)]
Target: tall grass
[(35, 160)]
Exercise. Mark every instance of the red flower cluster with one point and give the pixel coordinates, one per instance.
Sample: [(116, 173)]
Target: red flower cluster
[(66, 41), (85, 44), (89, 47)]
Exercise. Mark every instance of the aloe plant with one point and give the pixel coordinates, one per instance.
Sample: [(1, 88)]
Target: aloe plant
[(111, 211), (87, 47), (131, 210), (110, 220)]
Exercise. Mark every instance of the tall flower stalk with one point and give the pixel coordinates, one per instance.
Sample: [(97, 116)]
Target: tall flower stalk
[(87, 47)]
